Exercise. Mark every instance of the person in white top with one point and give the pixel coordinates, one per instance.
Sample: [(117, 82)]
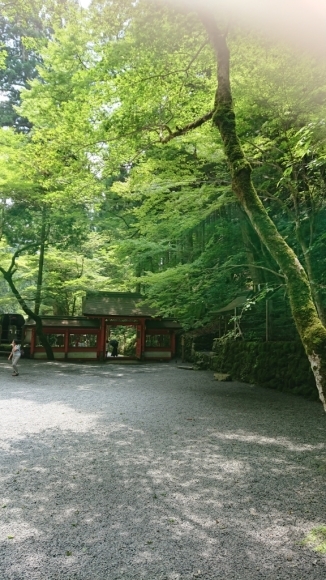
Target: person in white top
[(15, 356)]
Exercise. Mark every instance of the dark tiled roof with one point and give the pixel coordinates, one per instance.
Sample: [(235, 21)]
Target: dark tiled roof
[(66, 321), (238, 301), (116, 304), (213, 326)]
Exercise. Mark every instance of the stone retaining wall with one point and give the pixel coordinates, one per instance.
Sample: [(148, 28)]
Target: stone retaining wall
[(277, 365)]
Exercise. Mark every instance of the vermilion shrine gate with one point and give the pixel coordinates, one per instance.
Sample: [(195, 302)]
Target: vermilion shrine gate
[(104, 314)]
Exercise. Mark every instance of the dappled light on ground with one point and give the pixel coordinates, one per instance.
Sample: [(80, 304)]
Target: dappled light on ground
[(21, 418), (259, 440), (158, 474)]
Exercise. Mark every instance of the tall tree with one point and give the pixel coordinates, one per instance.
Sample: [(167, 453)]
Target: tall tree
[(310, 328), (146, 83)]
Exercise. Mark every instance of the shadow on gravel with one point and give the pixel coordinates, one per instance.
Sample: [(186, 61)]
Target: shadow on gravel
[(155, 475)]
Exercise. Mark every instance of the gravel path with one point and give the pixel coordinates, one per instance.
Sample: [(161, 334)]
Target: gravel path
[(151, 472)]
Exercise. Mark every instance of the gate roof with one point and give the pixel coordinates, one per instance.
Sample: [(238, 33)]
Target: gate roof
[(116, 304)]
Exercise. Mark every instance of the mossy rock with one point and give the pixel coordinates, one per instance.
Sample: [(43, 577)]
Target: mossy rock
[(222, 377)]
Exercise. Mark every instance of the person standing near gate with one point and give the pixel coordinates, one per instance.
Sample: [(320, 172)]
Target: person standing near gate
[(114, 343), (15, 356)]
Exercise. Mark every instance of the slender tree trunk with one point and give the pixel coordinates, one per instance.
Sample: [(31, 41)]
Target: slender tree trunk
[(248, 234), (38, 296), (138, 274), (310, 329), (37, 319), (73, 307), (2, 216)]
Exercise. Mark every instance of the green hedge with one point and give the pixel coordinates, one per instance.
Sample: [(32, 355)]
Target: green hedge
[(278, 365)]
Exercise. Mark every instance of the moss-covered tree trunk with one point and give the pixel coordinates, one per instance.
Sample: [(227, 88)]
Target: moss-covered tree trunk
[(37, 319), (8, 276), (311, 330)]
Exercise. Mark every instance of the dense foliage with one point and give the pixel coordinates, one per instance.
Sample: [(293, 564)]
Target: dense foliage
[(106, 181)]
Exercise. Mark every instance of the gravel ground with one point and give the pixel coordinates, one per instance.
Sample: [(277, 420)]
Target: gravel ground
[(151, 472)]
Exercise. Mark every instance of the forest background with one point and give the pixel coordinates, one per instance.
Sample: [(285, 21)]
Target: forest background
[(121, 167)]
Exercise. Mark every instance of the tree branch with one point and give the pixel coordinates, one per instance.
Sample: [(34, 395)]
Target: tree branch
[(260, 267), (187, 128), (247, 265), (12, 268)]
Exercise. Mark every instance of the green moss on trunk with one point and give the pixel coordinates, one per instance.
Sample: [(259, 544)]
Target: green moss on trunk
[(310, 328)]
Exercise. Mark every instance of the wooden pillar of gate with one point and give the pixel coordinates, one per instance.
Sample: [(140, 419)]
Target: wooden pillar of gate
[(33, 342), (101, 350), (140, 341), (172, 344)]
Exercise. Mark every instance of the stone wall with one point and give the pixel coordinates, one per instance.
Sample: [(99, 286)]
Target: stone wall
[(278, 365)]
